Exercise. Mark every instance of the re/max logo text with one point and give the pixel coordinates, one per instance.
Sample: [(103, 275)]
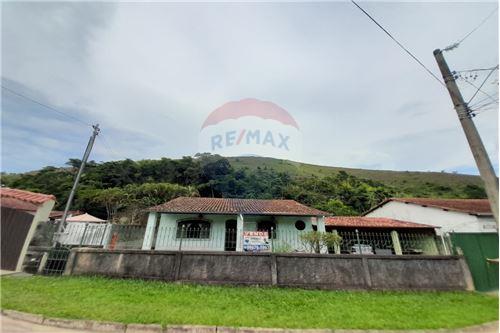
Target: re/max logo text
[(235, 138)]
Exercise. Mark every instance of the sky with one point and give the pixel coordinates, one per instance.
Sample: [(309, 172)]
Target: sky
[(150, 74)]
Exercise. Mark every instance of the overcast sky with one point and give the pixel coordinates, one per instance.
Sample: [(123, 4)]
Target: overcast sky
[(150, 73)]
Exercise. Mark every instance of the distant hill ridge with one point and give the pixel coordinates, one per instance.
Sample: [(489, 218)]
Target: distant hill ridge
[(405, 179)]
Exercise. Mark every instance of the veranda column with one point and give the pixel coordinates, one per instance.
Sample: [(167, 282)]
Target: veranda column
[(396, 243), (321, 228), (239, 233), (147, 244)]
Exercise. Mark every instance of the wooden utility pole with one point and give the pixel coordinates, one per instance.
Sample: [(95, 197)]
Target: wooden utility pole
[(476, 145), (77, 179)]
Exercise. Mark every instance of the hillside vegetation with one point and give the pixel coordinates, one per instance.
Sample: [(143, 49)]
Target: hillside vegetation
[(120, 190), (408, 183)]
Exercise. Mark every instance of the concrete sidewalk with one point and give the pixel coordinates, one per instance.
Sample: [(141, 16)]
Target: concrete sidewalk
[(19, 322), (11, 325)]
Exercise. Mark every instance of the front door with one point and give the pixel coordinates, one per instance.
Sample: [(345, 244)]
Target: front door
[(230, 239)]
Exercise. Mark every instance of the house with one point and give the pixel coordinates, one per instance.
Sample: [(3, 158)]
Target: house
[(450, 215), (385, 236), (469, 223), (21, 211), (218, 224), (84, 229)]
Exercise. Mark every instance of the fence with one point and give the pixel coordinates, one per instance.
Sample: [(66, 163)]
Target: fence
[(390, 242), (49, 260), (218, 238)]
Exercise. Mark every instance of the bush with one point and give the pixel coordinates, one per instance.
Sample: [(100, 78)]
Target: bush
[(314, 241)]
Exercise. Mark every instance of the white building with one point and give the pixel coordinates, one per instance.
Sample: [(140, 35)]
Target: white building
[(216, 224), (450, 215)]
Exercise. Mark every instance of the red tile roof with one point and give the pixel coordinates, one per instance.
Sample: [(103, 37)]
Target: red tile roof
[(371, 222), (236, 206), (470, 206), (18, 204), (55, 214), (26, 200)]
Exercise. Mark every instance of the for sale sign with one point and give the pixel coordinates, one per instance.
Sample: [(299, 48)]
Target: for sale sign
[(256, 241)]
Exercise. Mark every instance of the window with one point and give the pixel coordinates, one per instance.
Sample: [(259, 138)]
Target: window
[(194, 229), (300, 225), (266, 226)]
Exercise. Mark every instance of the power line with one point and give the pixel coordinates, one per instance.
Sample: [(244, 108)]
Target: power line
[(45, 105), (480, 24), (400, 45), (482, 84), (475, 70), (478, 89), (108, 147), (484, 99), (482, 106)]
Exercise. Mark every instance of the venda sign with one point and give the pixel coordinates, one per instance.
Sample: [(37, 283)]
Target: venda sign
[(251, 127), (256, 241)]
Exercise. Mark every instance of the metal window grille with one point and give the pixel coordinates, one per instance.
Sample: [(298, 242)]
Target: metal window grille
[(366, 242)]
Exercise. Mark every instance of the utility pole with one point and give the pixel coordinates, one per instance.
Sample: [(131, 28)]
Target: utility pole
[(77, 178), (476, 145)]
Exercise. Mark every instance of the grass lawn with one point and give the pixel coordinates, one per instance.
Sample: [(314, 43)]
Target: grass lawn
[(136, 301)]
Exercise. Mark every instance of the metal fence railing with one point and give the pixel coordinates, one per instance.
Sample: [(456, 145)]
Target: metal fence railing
[(363, 242), (382, 242), (216, 237)]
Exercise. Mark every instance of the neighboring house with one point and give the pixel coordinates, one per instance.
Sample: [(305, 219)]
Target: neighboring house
[(450, 215), (216, 224), (380, 235), (469, 223), (84, 229), (21, 211)]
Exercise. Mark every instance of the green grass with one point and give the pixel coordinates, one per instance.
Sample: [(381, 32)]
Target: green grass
[(135, 301)]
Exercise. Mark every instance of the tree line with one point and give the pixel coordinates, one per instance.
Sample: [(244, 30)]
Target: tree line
[(121, 190)]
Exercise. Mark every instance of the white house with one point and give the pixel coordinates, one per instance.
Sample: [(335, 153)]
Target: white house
[(450, 215), (217, 224)]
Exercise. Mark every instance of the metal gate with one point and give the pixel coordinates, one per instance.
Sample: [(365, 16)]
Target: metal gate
[(15, 225), (477, 248)]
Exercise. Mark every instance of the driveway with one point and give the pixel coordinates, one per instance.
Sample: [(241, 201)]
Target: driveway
[(9, 325)]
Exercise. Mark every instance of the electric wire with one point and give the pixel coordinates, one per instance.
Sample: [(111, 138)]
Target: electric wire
[(482, 84), (477, 27), (478, 89), (108, 147), (475, 70), (400, 45), (475, 104), (45, 105)]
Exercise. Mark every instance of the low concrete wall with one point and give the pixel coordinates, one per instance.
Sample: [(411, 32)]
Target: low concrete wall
[(283, 269)]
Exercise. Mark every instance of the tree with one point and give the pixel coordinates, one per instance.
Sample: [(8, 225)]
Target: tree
[(338, 208), (112, 198)]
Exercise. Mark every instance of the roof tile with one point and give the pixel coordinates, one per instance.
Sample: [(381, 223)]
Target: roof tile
[(236, 206), (371, 222), (25, 196), (474, 206)]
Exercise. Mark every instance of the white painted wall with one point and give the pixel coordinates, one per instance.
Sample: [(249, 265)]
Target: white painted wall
[(449, 221), (166, 238)]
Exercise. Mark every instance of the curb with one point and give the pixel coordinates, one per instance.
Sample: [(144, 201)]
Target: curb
[(100, 326)]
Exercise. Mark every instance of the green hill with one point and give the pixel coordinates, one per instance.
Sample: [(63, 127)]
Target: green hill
[(410, 183)]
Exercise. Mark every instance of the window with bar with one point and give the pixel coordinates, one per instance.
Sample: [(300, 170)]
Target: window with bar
[(194, 229)]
